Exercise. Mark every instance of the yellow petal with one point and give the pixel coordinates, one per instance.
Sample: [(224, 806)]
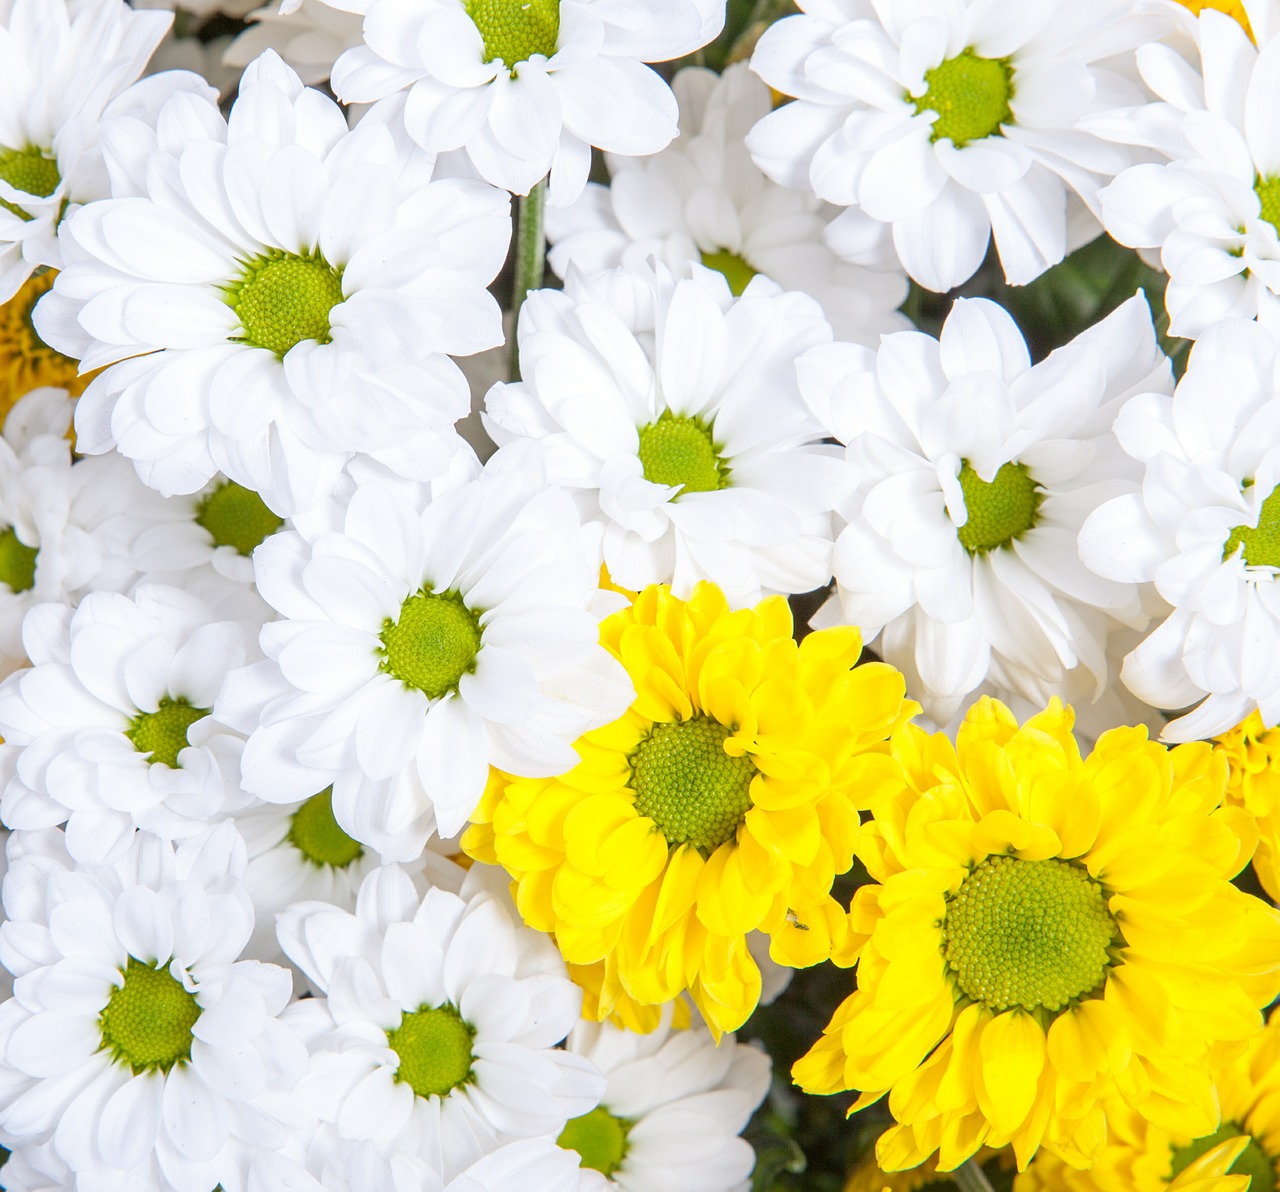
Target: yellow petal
[(1013, 1056)]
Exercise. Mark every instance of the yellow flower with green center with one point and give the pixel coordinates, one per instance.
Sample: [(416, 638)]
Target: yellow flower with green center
[(723, 802), (1252, 751), (1045, 933), (970, 95), (26, 361)]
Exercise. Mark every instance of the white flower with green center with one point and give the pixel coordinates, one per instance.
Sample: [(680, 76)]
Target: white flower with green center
[(436, 1038), (704, 199), (672, 1110), (956, 122), (1201, 521), (972, 472), (1210, 208), (673, 413), (417, 648), (109, 729), (287, 307), (137, 1043), (526, 87)]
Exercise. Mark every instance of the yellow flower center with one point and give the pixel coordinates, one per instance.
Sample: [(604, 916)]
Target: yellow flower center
[(1035, 934), (681, 452), (971, 96), (17, 562), (999, 509), (1268, 192), (31, 171), (163, 733), (147, 1021), (283, 298), (434, 1046), (599, 1138), (1253, 1161), (689, 786), (736, 271), (1261, 543), (515, 30), (432, 644), (236, 517), (315, 833)]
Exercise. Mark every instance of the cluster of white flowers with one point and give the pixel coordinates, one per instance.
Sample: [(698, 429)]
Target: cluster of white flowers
[(268, 622)]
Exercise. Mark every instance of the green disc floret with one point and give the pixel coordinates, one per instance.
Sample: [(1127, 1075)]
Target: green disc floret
[(516, 30), (736, 271), (17, 562), (163, 733), (685, 782), (1261, 543), (434, 1046), (1253, 1161), (681, 452), (315, 833), (147, 1021), (971, 96), (283, 298), (1268, 192), (432, 644), (236, 517), (1034, 934), (999, 509), (599, 1138), (31, 171)]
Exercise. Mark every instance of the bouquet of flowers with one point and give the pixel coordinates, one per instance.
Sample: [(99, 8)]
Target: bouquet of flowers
[(643, 595)]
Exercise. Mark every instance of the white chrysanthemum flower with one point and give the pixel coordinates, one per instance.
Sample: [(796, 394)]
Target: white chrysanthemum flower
[(67, 526), (1202, 522), (109, 730), (419, 648), (528, 86), (975, 471), (1212, 208), (136, 1041), (437, 1037), (308, 34), (954, 121), (62, 62), (273, 294), (34, 1168), (672, 1111), (672, 411), (704, 199)]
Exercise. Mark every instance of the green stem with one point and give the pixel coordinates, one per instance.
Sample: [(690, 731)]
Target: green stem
[(531, 255), (970, 1177)]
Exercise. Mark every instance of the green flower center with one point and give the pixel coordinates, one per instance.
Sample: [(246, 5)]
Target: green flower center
[(681, 452), (163, 733), (147, 1021), (1253, 1161), (515, 30), (17, 562), (1268, 192), (315, 833), (1035, 934), (434, 1046), (31, 171), (999, 509), (236, 517), (1261, 542), (283, 299), (736, 271), (432, 644), (688, 785), (971, 96), (599, 1138)]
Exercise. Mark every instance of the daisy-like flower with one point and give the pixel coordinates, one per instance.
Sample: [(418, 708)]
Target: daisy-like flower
[(136, 1041), (673, 412), (704, 199), (308, 34), (672, 1110), (723, 802), (1044, 931), (109, 729), (62, 62), (1202, 521), (1252, 750), (527, 86), (416, 649), (436, 1037), (26, 361), (954, 122), (972, 472), (273, 294), (36, 1169)]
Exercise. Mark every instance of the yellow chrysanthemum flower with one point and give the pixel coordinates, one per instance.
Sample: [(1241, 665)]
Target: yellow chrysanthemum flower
[(868, 1177), (1233, 8), (723, 802), (26, 361), (1209, 1172), (1253, 754), (1045, 931)]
